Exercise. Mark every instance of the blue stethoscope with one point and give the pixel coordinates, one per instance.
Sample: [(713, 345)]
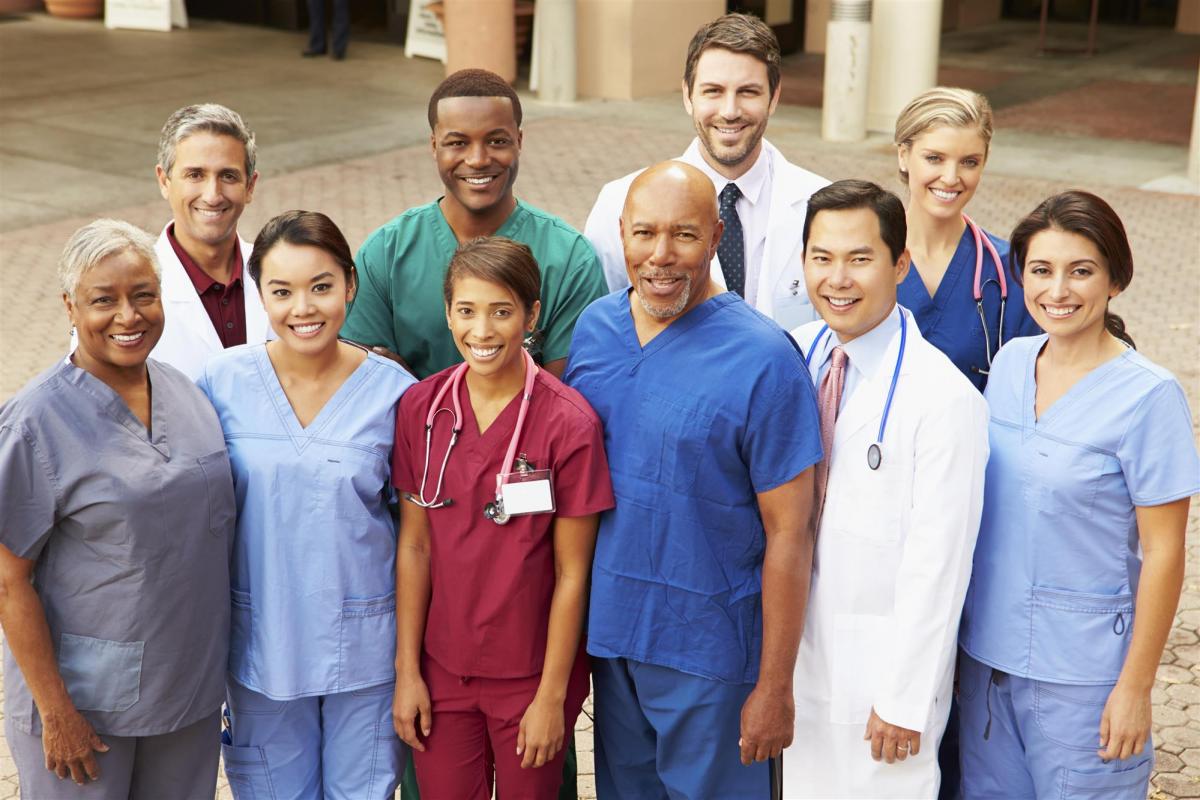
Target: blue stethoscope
[(1001, 282), (875, 451)]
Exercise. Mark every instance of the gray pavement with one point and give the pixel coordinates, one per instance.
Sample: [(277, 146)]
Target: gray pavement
[(80, 108)]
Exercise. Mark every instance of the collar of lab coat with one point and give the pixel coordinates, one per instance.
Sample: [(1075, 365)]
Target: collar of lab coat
[(751, 184), (875, 353)]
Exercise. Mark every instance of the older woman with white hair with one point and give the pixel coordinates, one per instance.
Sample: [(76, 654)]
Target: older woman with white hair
[(116, 522)]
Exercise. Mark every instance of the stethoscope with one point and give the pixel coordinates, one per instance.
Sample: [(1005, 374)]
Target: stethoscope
[(1001, 282), (493, 510), (875, 451)]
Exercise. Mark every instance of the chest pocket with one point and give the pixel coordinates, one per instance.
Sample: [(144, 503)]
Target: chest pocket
[(218, 484), (1060, 477), (870, 505), (673, 439)]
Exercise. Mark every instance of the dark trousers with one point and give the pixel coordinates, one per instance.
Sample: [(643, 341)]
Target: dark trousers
[(316, 25)]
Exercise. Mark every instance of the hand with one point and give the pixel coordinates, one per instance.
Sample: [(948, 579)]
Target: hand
[(891, 743), (70, 744), (1125, 723), (768, 722), (411, 709), (541, 733)]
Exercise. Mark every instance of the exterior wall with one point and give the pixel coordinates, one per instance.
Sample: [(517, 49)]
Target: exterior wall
[(1187, 19), (13, 6)]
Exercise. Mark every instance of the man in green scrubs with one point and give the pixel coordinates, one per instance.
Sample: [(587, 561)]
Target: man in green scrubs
[(475, 117)]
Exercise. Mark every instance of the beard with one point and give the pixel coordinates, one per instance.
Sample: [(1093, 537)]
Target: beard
[(730, 156), (660, 311)]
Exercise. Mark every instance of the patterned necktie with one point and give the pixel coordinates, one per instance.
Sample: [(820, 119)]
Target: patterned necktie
[(732, 250), (828, 400)]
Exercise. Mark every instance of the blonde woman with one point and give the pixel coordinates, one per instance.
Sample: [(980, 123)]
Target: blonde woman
[(957, 290)]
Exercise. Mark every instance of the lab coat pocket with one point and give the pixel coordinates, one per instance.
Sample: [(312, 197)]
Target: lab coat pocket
[(856, 644), (1062, 478), (101, 675), (871, 508), (1069, 716), (368, 636), (1079, 636), (791, 308), (247, 771), (1131, 783), (221, 501)]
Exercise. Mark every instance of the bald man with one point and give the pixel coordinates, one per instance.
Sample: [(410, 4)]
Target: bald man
[(702, 569)]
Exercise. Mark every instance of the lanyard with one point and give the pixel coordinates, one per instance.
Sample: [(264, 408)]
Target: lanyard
[(875, 451), (982, 242), (451, 386)]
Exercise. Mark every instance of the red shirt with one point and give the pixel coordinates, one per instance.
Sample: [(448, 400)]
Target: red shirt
[(492, 584), (225, 304)]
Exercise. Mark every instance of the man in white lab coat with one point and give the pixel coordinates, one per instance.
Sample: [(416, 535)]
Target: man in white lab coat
[(898, 500), (206, 173), (730, 89)]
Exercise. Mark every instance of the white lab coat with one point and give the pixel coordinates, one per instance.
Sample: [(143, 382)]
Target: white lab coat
[(780, 294), (189, 338), (891, 567)]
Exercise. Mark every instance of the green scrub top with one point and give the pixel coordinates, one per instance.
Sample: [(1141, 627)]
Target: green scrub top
[(402, 265)]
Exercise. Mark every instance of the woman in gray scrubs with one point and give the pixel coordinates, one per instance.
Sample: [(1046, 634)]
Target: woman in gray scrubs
[(116, 522)]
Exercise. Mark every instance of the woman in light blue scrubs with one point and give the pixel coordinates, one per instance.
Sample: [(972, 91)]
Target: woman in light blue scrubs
[(309, 422), (1080, 558)]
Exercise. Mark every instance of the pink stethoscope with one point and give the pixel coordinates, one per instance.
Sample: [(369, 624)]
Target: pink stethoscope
[(495, 509), (1001, 282)]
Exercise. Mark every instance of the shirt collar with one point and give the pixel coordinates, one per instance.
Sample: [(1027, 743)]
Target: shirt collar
[(199, 278), (866, 352), (750, 184)]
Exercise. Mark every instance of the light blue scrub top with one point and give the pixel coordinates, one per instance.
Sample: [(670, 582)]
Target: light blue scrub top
[(950, 319), (715, 409), (313, 573), (1058, 558)]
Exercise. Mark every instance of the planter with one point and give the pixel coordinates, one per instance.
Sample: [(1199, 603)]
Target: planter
[(75, 9)]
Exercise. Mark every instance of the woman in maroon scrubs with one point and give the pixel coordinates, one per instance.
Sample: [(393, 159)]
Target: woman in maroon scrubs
[(503, 476)]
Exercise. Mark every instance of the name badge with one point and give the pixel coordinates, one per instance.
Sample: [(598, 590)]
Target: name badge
[(528, 492)]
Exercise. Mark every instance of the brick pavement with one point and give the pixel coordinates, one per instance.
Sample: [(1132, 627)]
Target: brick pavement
[(568, 154)]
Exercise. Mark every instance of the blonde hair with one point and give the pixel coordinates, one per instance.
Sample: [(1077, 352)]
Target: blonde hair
[(944, 105)]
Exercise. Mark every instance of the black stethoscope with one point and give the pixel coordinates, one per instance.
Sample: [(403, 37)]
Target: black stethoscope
[(875, 451), (1001, 282)]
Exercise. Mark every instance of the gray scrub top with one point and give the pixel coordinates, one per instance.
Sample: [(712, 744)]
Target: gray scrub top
[(132, 534)]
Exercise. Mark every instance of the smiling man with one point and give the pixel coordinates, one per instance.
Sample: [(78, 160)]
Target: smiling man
[(898, 502), (205, 171), (731, 88), (701, 571), (475, 119)]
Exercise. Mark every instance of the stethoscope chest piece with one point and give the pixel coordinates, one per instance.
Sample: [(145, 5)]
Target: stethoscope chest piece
[(874, 456), (494, 511)]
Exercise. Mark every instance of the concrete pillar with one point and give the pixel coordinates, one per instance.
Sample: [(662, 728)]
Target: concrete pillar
[(555, 29), (481, 33), (847, 72), (905, 43), (1194, 150)]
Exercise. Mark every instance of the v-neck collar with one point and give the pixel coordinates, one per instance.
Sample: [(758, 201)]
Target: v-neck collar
[(1080, 389), (673, 331), (948, 285), (449, 241), (116, 407), (300, 435), (481, 446)]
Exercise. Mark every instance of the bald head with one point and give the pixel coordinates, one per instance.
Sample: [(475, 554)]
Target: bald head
[(670, 228)]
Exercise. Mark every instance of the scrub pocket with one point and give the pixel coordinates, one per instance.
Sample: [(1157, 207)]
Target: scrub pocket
[(100, 675), (246, 770), (674, 440), (367, 649), (1079, 636), (1062, 478), (1127, 784), (1069, 716), (218, 481), (240, 632)]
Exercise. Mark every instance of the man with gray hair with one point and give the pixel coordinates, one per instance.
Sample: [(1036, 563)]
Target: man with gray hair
[(206, 173)]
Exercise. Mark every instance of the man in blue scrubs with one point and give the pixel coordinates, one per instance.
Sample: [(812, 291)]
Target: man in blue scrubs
[(702, 570)]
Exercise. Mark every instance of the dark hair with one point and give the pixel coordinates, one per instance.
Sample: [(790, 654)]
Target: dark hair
[(739, 33), (473, 83), (1089, 216), (311, 228), (851, 194), (500, 261)]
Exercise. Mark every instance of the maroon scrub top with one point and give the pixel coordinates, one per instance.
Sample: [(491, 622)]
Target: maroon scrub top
[(492, 584)]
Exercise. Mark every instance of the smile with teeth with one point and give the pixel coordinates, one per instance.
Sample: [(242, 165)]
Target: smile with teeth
[(943, 194), (307, 329), (478, 180), (127, 338), (1059, 312), (842, 302), (209, 212), (729, 130), (484, 352)]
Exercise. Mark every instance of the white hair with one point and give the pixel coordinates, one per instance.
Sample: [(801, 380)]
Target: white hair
[(95, 242)]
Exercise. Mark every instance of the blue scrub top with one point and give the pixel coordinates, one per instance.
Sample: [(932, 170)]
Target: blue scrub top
[(313, 574), (1058, 558), (950, 319), (715, 409)]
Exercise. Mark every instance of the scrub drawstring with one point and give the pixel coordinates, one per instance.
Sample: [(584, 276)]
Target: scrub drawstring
[(993, 679), (1119, 624)]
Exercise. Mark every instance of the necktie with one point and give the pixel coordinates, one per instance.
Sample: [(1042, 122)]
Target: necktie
[(828, 400), (732, 250)]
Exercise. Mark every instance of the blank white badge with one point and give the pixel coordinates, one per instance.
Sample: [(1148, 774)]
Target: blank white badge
[(527, 492)]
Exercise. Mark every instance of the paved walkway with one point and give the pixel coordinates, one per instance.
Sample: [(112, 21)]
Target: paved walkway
[(79, 113)]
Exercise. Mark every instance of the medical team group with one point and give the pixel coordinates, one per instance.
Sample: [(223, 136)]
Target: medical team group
[(803, 485)]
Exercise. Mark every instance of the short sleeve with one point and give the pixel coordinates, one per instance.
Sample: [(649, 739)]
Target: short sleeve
[(27, 495), (783, 433), (402, 468), (369, 319), (582, 484), (1158, 451), (582, 282)]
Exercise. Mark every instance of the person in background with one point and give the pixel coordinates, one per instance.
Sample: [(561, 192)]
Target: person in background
[(116, 524), (1080, 559), (317, 39), (309, 421)]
